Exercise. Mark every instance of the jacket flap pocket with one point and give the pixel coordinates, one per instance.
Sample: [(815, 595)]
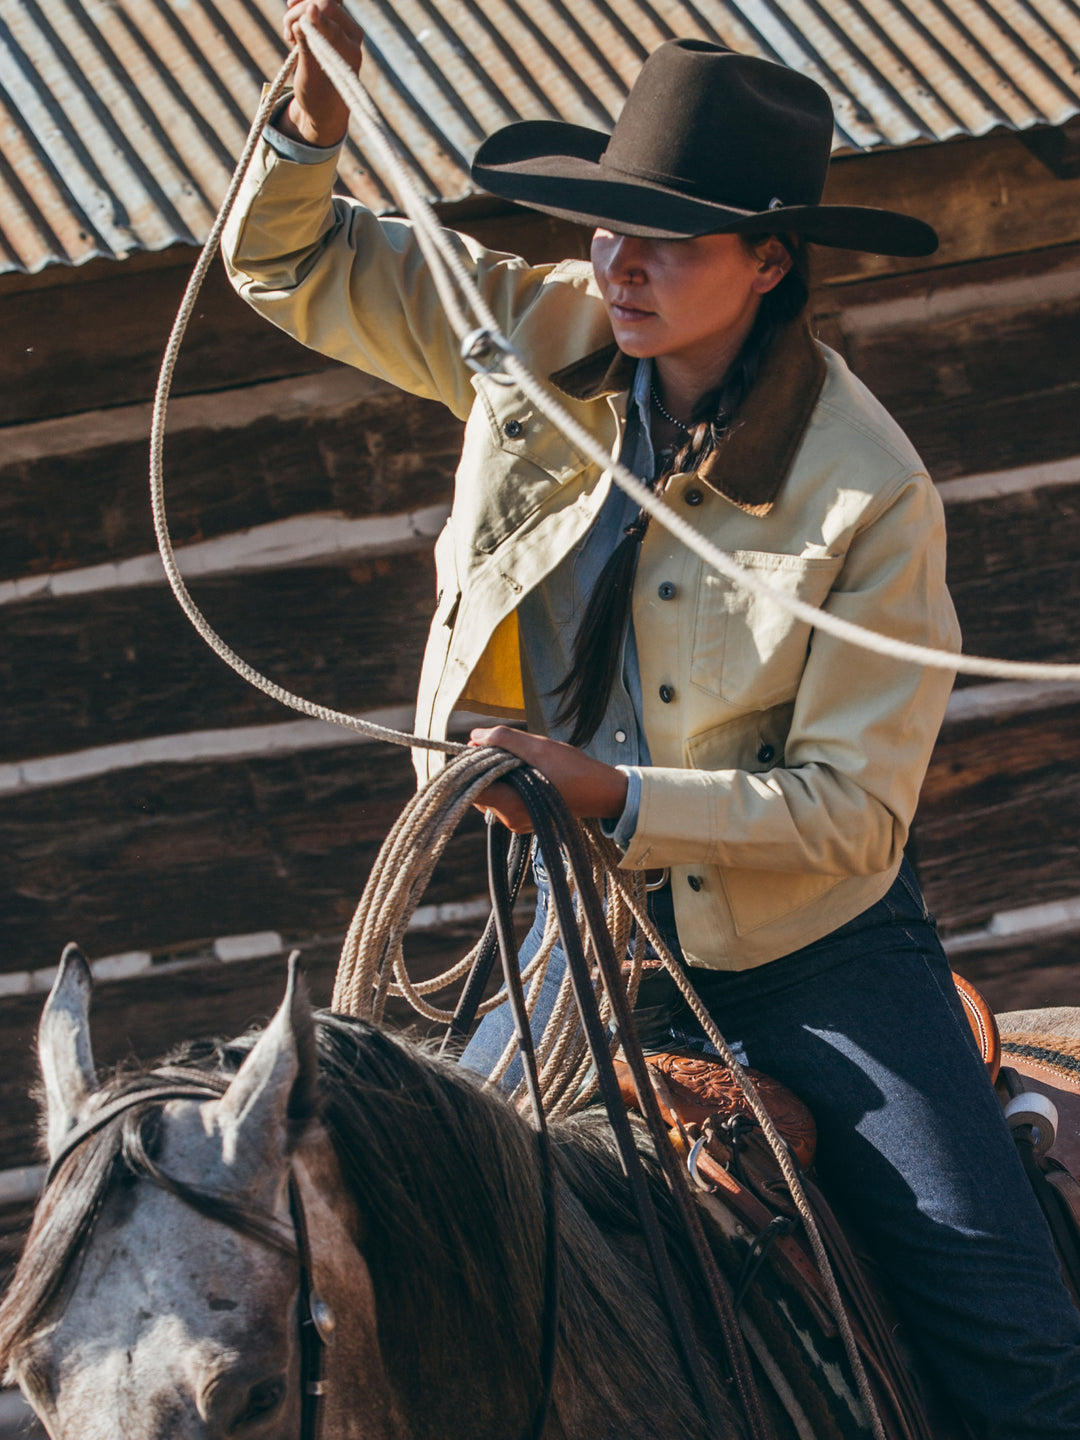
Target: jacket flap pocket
[(753, 742), (748, 649), (519, 429), (513, 460), (761, 897)]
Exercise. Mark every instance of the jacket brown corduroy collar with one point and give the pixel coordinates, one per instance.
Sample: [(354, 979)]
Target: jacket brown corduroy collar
[(750, 465)]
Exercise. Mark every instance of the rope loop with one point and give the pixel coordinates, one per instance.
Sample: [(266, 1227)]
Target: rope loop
[(483, 350), (449, 271)]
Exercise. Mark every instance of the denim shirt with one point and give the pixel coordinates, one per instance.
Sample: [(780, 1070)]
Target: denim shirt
[(551, 613)]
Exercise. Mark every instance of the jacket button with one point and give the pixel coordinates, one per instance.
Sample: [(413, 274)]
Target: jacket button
[(693, 497), (666, 591), (694, 881), (667, 694), (513, 428), (765, 754), (620, 737)]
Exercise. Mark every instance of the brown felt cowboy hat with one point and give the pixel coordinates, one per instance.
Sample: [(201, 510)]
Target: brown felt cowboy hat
[(708, 140)]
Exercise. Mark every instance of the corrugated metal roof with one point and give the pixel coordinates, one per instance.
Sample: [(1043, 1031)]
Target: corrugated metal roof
[(120, 119)]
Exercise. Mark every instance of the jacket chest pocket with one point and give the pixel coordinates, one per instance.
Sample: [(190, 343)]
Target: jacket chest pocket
[(513, 460), (748, 650)]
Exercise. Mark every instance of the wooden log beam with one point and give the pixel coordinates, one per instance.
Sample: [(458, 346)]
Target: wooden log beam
[(66, 348), (177, 854), (978, 363), (998, 825), (984, 197), (233, 465), (884, 302), (996, 433), (1013, 574), (1017, 349), (105, 668)]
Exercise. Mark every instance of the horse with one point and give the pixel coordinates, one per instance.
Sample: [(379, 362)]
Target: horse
[(158, 1292), (205, 1217)]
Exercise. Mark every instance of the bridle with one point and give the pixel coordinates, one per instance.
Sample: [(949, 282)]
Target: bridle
[(315, 1318)]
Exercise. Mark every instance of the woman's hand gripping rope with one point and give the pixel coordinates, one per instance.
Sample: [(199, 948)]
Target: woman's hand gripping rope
[(591, 789), (317, 115)]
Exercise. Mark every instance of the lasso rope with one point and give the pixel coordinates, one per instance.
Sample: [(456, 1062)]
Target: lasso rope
[(157, 482), (485, 347), (372, 959), (487, 339)]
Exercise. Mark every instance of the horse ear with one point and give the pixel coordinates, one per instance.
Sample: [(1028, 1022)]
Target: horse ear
[(64, 1053), (261, 1113)]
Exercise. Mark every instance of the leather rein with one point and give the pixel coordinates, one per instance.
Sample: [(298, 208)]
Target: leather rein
[(315, 1318), (557, 836)]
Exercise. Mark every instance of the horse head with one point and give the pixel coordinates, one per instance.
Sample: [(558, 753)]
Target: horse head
[(165, 1303), (162, 1291)]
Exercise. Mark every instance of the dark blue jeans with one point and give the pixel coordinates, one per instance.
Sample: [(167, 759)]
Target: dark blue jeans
[(866, 1027)]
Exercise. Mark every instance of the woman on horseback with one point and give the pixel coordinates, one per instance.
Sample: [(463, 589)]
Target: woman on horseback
[(766, 774)]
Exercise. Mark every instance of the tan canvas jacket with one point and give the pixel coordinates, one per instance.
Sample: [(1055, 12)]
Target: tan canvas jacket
[(786, 765)]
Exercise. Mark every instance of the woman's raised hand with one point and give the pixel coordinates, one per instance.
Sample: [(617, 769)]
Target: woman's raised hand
[(317, 114)]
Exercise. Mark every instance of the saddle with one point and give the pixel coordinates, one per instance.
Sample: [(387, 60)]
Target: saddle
[(1039, 1087), (763, 1248)]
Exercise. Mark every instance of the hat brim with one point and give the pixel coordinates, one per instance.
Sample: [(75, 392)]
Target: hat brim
[(554, 167)]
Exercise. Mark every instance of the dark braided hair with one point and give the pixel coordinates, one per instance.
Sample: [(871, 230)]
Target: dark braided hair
[(599, 639)]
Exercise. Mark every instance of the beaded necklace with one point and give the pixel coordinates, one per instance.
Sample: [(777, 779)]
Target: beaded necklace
[(665, 412)]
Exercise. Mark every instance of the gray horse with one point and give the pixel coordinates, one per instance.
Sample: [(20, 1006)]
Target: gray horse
[(157, 1296)]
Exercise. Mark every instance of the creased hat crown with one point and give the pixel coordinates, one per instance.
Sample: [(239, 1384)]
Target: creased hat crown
[(724, 127), (708, 140)]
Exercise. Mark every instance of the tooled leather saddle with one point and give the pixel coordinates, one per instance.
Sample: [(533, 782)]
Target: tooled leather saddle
[(761, 1241)]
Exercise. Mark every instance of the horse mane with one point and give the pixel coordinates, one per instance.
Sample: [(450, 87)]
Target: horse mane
[(446, 1179)]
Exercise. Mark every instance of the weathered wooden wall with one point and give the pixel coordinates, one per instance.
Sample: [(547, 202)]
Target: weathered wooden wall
[(152, 803)]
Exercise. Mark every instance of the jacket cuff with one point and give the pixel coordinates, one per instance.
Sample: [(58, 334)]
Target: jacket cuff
[(678, 816), (622, 829), (282, 208), (298, 151)]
